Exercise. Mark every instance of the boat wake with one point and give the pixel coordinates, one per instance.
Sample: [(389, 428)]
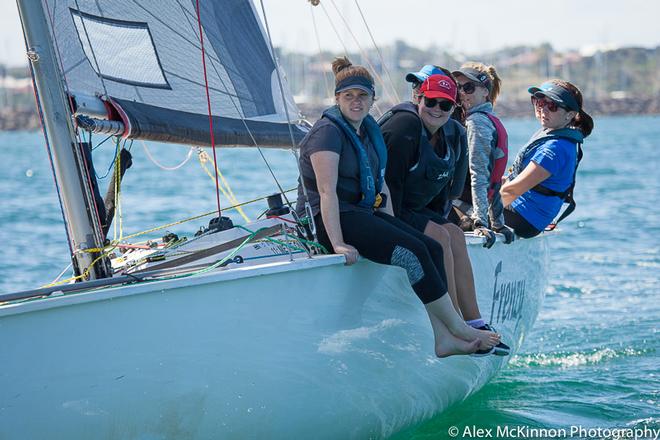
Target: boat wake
[(572, 360)]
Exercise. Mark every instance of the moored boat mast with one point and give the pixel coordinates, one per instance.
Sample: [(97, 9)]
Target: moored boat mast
[(78, 208)]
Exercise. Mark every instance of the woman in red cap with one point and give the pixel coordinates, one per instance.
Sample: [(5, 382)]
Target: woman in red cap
[(542, 176), (427, 156), (342, 162)]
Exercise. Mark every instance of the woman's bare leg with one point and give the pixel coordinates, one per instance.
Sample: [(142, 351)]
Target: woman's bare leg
[(463, 275), (443, 309), (439, 234), (447, 344)]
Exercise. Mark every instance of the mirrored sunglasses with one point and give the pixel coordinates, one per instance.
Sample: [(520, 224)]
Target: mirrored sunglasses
[(547, 103), (445, 105)]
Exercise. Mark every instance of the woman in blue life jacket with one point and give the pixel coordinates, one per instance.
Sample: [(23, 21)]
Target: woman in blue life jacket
[(342, 162), (543, 174), (427, 164), (479, 208)]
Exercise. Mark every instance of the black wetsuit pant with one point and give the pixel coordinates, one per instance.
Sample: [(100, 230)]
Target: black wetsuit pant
[(520, 226), (388, 240)]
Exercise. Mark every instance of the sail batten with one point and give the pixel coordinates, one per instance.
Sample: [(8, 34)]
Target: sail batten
[(145, 57)]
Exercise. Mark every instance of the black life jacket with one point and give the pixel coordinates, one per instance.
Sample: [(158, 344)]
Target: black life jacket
[(431, 173)]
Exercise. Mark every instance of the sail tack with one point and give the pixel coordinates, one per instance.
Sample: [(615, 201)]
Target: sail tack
[(145, 58)]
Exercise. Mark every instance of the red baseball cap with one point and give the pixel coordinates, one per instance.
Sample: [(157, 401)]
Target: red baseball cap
[(439, 86)]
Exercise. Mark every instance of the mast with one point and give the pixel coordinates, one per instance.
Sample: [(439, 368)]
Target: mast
[(69, 170)]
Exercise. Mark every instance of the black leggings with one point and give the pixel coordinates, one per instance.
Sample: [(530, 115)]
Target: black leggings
[(388, 240), (521, 227)]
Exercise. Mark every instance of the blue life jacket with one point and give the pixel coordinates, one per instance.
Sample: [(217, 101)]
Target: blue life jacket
[(371, 183), (571, 134), (431, 173)]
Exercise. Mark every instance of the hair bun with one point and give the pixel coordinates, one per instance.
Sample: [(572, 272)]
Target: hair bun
[(339, 64)]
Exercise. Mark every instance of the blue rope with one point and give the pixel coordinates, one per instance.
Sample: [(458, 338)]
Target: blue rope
[(100, 143), (112, 164)]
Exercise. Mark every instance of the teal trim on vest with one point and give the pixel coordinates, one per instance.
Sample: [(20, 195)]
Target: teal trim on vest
[(369, 185), (570, 134)]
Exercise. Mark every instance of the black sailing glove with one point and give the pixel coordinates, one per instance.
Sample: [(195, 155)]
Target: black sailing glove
[(509, 236), (489, 235)]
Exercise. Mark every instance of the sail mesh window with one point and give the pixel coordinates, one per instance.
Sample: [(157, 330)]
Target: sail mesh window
[(120, 50)]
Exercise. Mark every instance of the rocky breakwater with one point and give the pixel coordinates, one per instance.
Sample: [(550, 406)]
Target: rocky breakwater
[(18, 119)]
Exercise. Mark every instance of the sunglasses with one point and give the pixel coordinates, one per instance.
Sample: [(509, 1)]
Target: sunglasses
[(445, 105), (542, 102), (468, 88)]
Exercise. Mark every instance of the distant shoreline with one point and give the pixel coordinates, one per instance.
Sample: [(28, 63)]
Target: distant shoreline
[(27, 119), (523, 108)]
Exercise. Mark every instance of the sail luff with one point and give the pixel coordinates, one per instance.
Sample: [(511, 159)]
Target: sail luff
[(78, 208)]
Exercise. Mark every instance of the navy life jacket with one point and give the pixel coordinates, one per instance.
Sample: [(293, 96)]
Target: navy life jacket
[(371, 183), (571, 134), (431, 174)]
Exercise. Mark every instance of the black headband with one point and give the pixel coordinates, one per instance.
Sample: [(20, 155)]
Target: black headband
[(355, 82)]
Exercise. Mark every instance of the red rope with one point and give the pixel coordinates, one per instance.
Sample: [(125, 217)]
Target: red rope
[(208, 103)]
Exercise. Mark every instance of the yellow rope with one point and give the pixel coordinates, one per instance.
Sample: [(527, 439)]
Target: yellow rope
[(225, 188), (158, 228), (113, 245), (105, 251), (117, 198), (86, 271)]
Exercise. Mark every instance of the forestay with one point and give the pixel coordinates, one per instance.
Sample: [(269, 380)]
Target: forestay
[(146, 58)]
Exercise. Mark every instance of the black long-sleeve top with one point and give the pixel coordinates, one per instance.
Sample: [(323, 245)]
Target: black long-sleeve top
[(402, 136)]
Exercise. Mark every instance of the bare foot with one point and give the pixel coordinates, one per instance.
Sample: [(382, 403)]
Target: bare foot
[(487, 339), (452, 345)]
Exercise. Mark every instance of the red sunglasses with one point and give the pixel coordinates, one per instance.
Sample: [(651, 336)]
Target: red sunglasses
[(542, 102)]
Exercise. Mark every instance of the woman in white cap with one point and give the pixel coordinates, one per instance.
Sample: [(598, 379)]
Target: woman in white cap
[(543, 174), (479, 207), (424, 162), (342, 162)]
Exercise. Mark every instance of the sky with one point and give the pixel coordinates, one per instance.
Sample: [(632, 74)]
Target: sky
[(469, 27)]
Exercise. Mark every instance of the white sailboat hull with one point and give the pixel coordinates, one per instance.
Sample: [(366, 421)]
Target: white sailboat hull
[(302, 349)]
